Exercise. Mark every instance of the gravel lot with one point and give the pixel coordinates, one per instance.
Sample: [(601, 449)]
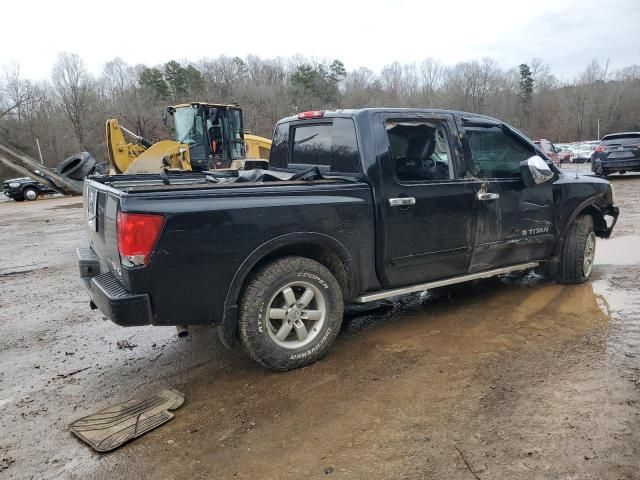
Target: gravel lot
[(502, 379)]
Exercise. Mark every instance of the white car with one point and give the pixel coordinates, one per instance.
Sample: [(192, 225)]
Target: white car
[(582, 152)]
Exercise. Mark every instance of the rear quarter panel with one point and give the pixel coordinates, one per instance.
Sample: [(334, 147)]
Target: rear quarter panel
[(209, 234)]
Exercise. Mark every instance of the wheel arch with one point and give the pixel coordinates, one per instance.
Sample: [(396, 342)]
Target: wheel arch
[(322, 248), (30, 186), (588, 207)]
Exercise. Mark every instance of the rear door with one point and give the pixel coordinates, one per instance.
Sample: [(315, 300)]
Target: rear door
[(514, 222), (427, 213)]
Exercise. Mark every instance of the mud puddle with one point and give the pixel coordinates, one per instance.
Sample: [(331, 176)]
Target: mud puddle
[(623, 250), (395, 398)]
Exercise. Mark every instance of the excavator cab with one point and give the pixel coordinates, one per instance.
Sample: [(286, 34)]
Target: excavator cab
[(207, 136), (213, 132)]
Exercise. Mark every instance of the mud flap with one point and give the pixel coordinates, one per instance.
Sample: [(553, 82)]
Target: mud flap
[(113, 426)]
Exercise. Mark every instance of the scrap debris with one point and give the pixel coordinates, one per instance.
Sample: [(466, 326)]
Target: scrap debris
[(65, 375), (108, 429), (125, 344)]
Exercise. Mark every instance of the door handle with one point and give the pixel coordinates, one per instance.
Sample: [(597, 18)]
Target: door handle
[(402, 201), (485, 196)]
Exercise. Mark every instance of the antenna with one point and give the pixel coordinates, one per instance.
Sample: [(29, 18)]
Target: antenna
[(579, 144)]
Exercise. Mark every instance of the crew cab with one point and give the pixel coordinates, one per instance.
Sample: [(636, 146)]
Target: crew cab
[(358, 206)]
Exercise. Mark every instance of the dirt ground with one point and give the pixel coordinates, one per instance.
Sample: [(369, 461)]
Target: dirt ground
[(504, 379)]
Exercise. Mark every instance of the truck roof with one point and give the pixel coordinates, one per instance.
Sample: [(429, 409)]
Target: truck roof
[(356, 112)]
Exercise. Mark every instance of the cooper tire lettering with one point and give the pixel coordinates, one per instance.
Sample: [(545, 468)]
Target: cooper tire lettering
[(264, 294)]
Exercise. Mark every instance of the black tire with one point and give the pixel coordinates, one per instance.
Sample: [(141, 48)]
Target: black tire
[(262, 291), (77, 166), (30, 194), (571, 268)]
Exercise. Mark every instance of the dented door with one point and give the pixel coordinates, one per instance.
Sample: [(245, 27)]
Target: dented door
[(514, 223)]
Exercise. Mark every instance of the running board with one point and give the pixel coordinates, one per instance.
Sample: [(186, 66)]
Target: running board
[(372, 297)]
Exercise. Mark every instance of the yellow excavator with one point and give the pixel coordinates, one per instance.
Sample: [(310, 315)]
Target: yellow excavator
[(207, 136)]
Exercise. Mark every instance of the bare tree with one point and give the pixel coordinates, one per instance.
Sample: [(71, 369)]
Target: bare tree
[(16, 91), (73, 86), (431, 76)]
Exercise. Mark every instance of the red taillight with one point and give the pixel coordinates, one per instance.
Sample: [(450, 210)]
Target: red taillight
[(137, 235), (599, 149), (311, 114)]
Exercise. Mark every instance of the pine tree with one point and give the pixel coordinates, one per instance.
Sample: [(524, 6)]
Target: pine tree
[(525, 94), (176, 77), (152, 79)]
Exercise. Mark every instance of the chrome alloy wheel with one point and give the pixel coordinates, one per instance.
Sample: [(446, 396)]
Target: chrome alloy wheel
[(589, 254), (30, 194), (296, 315)]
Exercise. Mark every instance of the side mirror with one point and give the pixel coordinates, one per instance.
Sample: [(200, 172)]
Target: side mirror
[(535, 171)]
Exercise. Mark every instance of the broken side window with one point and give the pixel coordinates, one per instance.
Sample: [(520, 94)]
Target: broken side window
[(419, 150)]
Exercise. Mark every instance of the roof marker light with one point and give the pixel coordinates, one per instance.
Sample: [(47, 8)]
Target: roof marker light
[(311, 114)]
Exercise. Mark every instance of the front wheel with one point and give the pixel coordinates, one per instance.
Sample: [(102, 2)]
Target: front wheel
[(578, 251), (30, 194), (290, 313)]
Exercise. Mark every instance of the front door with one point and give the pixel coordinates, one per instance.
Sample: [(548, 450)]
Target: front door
[(427, 213), (514, 222)]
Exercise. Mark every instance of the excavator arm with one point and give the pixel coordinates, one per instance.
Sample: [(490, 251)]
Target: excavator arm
[(143, 156)]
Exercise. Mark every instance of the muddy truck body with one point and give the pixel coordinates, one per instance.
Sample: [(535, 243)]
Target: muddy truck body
[(358, 206)]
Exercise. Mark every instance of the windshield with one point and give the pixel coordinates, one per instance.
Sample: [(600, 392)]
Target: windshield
[(188, 126)]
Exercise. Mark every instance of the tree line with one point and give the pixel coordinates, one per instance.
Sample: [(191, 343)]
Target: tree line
[(67, 112)]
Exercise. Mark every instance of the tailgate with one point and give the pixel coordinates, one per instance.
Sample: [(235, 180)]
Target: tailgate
[(101, 210)]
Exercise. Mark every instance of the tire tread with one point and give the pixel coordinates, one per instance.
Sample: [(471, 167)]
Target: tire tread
[(253, 296), (572, 257)]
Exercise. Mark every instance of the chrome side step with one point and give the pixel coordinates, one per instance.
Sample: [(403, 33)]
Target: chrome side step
[(372, 297)]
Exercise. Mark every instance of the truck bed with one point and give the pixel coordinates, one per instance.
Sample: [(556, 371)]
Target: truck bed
[(220, 226)]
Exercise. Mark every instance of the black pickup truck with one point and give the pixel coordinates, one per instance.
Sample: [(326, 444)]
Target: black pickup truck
[(358, 206)]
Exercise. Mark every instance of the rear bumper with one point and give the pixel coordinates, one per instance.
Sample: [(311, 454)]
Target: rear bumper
[(602, 166), (109, 295)]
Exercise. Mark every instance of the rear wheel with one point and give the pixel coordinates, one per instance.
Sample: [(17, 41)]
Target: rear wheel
[(578, 251), (290, 313), (30, 194)]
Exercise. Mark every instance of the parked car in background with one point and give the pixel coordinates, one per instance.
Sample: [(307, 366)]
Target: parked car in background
[(582, 151), (25, 189), (552, 152), (617, 152)]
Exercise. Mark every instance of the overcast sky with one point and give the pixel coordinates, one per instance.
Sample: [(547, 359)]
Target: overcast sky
[(567, 34)]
